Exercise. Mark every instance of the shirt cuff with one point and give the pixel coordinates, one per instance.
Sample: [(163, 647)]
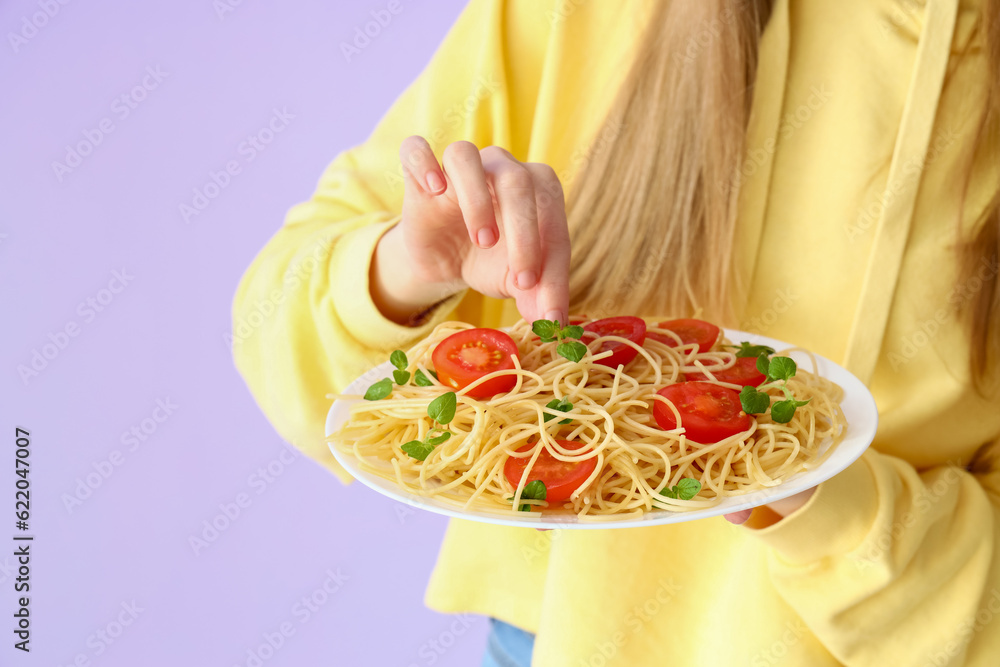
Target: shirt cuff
[(349, 273), (833, 522)]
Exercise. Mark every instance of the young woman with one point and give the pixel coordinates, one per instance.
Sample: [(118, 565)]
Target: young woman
[(823, 172)]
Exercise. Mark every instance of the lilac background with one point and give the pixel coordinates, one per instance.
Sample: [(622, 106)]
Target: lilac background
[(161, 337)]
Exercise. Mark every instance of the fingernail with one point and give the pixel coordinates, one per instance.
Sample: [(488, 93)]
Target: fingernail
[(485, 238), (554, 316), (434, 182), (526, 279)]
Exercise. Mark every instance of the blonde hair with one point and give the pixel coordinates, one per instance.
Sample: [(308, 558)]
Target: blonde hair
[(646, 205), (653, 213), (984, 247)]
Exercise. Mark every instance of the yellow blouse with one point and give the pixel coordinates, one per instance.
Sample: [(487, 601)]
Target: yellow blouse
[(862, 127)]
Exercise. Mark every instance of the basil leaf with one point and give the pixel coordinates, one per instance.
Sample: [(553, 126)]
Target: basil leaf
[(749, 350), (783, 411), (534, 490), (442, 408), (422, 380), (781, 368), (562, 405), (401, 377), (573, 350), (398, 359), (754, 402), (417, 450), (669, 492), (547, 330), (379, 390), (438, 439), (687, 488), (572, 331), (763, 364)]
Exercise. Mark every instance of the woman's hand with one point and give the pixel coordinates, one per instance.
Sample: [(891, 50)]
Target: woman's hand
[(779, 508), (482, 219)]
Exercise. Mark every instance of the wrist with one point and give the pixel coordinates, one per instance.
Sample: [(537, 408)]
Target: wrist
[(397, 292), (786, 506), (764, 516)]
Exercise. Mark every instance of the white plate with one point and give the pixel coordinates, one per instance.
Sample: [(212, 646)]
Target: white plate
[(858, 405)]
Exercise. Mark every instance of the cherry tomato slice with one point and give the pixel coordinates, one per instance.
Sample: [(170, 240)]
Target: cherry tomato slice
[(464, 357), (705, 334), (744, 372), (561, 478), (632, 328), (709, 413)]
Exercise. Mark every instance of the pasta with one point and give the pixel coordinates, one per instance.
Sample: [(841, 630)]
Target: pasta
[(611, 421)]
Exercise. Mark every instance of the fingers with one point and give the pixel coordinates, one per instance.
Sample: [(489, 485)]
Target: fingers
[(552, 302), (523, 204), (514, 189), (738, 518), (464, 167), (420, 165)]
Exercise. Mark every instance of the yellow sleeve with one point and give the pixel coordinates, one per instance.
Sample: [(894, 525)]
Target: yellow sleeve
[(887, 565), (304, 323)]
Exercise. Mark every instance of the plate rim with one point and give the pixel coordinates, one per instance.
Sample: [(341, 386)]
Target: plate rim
[(855, 392)]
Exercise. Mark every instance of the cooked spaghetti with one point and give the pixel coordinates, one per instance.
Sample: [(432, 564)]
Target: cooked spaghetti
[(635, 461)]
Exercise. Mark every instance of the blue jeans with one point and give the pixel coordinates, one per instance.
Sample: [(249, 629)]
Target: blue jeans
[(508, 646)]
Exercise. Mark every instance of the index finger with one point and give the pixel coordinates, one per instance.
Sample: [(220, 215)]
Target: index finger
[(464, 167)]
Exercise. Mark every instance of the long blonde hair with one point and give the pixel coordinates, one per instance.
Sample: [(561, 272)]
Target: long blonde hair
[(647, 205), (984, 247)]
